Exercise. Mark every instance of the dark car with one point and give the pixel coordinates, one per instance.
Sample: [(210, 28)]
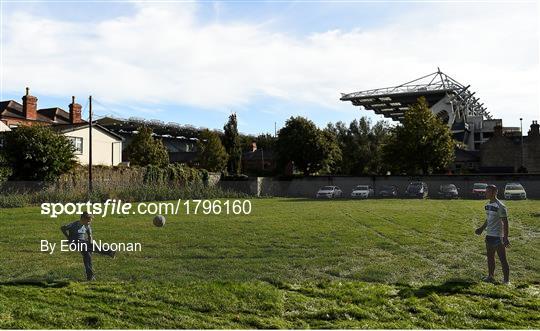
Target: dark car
[(388, 191), (448, 191), (417, 190), (479, 190)]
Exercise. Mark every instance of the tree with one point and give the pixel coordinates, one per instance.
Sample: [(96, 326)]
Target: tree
[(231, 142), (422, 144), (210, 151), (145, 150), (265, 141), (37, 153), (360, 144), (301, 142), (331, 163)]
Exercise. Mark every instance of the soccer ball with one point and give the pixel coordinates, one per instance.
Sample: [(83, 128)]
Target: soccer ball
[(159, 221)]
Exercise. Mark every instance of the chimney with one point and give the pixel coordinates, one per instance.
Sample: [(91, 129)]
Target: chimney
[(253, 146), (497, 131), (74, 112), (535, 129), (29, 106)]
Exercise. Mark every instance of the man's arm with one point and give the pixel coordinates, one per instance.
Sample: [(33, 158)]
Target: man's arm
[(64, 229), (504, 221), (503, 216), (89, 233), (481, 229)]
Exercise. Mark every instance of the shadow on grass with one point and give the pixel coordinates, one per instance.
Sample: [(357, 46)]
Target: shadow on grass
[(447, 288), (48, 283)]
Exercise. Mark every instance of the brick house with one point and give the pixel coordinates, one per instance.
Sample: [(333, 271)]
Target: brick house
[(106, 145), (503, 153), (14, 114)]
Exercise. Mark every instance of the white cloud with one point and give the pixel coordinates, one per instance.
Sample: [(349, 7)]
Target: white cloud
[(162, 54)]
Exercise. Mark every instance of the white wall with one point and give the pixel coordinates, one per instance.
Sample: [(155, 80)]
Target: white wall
[(4, 127), (106, 150)]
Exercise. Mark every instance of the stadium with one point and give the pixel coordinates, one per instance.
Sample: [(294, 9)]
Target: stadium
[(451, 101)]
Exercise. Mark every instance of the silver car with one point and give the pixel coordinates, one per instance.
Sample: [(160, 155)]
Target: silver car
[(514, 191), (362, 191), (329, 192)]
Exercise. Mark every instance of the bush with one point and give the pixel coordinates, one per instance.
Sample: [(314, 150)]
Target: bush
[(37, 153), (175, 181)]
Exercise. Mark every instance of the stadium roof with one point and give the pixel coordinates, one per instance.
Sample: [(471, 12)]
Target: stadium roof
[(393, 102)]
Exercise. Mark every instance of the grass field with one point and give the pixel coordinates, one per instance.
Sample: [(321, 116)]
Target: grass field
[(290, 264)]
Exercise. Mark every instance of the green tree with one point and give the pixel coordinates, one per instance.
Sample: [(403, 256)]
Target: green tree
[(360, 144), (331, 162), (210, 151), (145, 150), (421, 145), (265, 141), (301, 142), (37, 153), (231, 142)]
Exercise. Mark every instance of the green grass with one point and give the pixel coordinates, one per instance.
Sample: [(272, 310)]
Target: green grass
[(290, 264)]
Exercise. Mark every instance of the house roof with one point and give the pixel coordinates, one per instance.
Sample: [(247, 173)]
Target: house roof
[(55, 115), (63, 128), (11, 108)]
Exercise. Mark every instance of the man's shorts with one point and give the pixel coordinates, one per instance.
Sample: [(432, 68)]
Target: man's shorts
[(493, 241)]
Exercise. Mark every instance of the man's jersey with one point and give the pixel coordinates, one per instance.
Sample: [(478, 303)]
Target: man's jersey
[(495, 211), (78, 231)]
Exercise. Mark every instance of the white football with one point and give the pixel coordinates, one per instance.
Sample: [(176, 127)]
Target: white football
[(159, 221)]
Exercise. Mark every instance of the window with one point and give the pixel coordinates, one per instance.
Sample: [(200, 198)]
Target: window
[(77, 143)]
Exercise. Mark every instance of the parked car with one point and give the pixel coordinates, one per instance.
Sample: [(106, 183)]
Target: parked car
[(329, 192), (417, 190), (388, 191), (514, 191), (362, 191), (448, 191), (479, 190)]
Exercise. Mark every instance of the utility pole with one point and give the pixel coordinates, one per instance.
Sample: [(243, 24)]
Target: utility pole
[(90, 186), (275, 129), (521, 134)]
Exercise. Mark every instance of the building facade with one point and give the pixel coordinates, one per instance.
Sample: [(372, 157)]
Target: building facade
[(106, 145), (510, 153)]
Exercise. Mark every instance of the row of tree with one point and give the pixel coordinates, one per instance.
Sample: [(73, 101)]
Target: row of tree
[(422, 144)]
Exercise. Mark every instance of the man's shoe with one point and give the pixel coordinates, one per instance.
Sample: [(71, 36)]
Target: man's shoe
[(91, 279), (488, 279), (112, 254), (507, 283)]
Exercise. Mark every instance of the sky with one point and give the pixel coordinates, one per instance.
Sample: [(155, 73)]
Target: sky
[(197, 62)]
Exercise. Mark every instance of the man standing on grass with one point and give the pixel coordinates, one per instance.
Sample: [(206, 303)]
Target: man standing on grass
[(79, 233), (496, 234)]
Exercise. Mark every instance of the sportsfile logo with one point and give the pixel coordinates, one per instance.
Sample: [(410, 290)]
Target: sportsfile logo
[(113, 207)]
